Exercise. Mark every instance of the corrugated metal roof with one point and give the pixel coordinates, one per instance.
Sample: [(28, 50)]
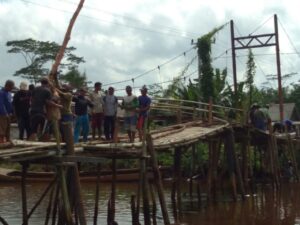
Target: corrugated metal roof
[(288, 109)]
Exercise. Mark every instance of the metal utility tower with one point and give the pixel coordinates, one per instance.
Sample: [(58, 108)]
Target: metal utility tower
[(258, 41)]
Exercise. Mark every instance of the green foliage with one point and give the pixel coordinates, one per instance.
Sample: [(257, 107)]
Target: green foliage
[(38, 54), (206, 71), (74, 78), (250, 75)]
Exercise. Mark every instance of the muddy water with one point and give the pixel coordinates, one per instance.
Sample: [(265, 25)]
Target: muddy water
[(266, 207)]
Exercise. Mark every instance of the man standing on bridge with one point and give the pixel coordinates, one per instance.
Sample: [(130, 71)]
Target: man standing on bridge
[(130, 104), (144, 106), (6, 111)]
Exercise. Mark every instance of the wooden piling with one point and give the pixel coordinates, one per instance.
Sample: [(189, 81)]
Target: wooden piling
[(158, 180), (97, 194), (24, 194), (73, 174), (176, 186)]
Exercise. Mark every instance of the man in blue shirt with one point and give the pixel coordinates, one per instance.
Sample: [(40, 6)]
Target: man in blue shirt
[(6, 110), (144, 106)]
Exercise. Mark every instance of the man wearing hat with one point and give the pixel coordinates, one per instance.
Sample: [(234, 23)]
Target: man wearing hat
[(5, 110), (144, 106), (21, 103)]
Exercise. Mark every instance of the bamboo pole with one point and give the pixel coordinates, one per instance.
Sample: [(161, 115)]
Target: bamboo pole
[(73, 174), (192, 172), (154, 207), (55, 205), (24, 194), (3, 221), (158, 180), (67, 212), (145, 192), (60, 54), (97, 194), (228, 147), (133, 211), (41, 198), (49, 207), (209, 172), (210, 115), (112, 201)]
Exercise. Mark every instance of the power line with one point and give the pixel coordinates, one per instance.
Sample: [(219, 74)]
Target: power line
[(151, 70), (130, 18), (109, 22), (290, 40), (164, 82), (260, 26)]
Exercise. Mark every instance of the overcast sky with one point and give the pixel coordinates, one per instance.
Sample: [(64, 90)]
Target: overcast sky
[(121, 40)]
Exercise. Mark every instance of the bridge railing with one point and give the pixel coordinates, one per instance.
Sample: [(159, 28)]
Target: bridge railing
[(196, 110)]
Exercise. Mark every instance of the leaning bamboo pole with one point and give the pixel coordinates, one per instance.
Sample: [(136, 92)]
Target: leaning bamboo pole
[(60, 54)]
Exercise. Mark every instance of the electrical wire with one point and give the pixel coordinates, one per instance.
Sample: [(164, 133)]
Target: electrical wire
[(109, 22), (130, 18), (260, 26), (289, 38)]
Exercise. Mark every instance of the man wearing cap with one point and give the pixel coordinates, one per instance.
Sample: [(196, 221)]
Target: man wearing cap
[(144, 106), (97, 111), (6, 110), (82, 118), (21, 103), (130, 104)]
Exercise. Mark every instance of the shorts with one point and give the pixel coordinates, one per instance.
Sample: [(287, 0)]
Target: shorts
[(4, 125), (97, 120), (141, 122), (37, 120), (130, 123)]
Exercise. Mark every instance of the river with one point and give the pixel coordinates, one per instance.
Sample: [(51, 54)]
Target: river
[(266, 207)]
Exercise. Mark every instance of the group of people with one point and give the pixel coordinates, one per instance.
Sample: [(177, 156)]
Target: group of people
[(42, 110), (260, 118)]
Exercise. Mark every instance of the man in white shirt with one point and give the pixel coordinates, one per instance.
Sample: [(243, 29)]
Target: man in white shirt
[(130, 104), (96, 98), (110, 111)]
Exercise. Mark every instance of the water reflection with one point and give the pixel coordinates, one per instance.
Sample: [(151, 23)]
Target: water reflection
[(267, 207)]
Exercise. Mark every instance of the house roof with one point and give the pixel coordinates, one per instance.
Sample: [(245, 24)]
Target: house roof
[(288, 109)]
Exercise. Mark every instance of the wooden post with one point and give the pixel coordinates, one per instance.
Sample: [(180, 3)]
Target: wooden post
[(41, 198), (97, 194), (209, 172), (145, 190), (112, 201), (73, 173), (176, 190), (154, 208), (192, 171), (49, 207), (228, 147), (64, 195), (24, 194), (157, 181), (210, 115)]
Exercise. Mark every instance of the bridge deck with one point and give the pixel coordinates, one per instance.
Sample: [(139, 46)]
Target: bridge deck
[(164, 139)]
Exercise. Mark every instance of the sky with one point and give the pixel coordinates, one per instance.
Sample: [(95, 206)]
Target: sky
[(149, 41)]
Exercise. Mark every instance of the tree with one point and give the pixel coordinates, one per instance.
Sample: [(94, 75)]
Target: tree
[(75, 79), (38, 54)]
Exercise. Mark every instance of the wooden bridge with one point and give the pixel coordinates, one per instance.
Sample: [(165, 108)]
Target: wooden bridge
[(193, 122)]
